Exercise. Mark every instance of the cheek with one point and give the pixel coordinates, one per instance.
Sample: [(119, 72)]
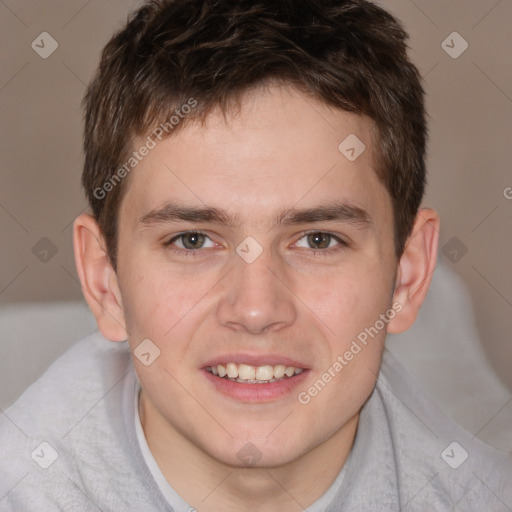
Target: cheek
[(155, 300), (347, 301)]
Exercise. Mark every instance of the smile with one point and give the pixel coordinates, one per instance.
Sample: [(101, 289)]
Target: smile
[(245, 373), (261, 383)]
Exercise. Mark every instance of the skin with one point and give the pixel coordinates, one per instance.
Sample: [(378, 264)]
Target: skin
[(280, 151)]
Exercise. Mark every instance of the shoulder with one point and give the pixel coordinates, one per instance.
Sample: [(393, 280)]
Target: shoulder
[(76, 378), (437, 461), (48, 429)]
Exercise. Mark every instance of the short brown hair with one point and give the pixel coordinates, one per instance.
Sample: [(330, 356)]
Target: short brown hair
[(350, 54)]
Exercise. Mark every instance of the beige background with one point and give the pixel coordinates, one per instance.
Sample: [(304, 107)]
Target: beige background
[(469, 102)]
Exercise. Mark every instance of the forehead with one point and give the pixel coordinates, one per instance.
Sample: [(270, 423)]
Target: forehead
[(282, 148)]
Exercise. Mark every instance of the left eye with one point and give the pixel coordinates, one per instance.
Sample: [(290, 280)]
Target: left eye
[(190, 241), (319, 240)]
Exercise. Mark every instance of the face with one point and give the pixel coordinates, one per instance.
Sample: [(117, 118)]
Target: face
[(257, 245)]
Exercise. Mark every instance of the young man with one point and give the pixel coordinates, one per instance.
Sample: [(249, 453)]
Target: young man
[(255, 172)]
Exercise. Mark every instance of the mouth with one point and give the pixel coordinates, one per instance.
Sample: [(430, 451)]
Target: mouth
[(254, 383), (248, 374)]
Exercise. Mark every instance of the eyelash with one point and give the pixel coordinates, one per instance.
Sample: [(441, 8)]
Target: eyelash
[(184, 252), (197, 252), (342, 244)]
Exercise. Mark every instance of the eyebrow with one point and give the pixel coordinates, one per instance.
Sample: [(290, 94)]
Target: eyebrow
[(342, 211)]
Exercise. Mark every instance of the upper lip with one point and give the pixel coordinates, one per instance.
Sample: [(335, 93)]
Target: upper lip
[(255, 360)]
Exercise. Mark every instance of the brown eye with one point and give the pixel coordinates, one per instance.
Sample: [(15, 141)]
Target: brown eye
[(319, 240), (321, 243)]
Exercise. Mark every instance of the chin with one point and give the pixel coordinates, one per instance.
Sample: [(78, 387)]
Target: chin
[(256, 452)]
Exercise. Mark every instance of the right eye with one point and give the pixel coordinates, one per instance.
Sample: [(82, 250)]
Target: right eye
[(190, 240)]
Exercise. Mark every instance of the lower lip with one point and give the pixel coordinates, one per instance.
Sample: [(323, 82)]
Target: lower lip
[(256, 393)]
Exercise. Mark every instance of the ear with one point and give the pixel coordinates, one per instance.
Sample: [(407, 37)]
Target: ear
[(415, 269), (98, 279)]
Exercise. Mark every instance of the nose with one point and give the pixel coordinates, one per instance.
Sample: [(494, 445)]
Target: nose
[(255, 296)]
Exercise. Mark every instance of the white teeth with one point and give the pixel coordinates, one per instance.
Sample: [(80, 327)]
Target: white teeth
[(254, 374), (264, 372), (246, 372), (232, 370), (279, 370), (289, 371)]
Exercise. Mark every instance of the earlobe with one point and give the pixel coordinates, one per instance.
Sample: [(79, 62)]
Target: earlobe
[(98, 279), (415, 269)]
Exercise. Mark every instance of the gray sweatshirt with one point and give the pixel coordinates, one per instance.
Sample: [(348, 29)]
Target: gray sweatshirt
[(73, 442)]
